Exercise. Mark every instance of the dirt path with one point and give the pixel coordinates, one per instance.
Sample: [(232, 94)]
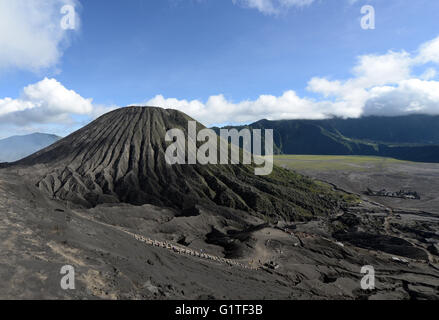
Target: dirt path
[(170, 246)]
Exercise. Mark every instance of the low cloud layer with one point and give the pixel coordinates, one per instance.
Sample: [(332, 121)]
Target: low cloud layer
[(383, 84), (31, 36), (218, 110)]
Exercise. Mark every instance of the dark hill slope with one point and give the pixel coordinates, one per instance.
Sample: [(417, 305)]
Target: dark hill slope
[(308, 137), (414, 137), (120, 157), (415, 129)]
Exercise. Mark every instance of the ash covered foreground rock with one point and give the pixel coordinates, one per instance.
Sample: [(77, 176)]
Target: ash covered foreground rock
[(122, 251), (103, 201)]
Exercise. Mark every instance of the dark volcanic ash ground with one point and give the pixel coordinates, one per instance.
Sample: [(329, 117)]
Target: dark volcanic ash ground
[(132, 248)]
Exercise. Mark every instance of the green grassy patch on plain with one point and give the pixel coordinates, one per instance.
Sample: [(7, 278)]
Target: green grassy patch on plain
[(330, 163)]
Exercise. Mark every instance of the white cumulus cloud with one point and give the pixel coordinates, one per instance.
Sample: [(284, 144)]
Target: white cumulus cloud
[(381, 84), (47, 101), (429, 52), (409, 96), (31, 36), (218, 109), (385, 84)]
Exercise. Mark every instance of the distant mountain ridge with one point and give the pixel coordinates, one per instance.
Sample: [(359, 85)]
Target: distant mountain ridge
[(413, 137), (418, 129), (17, 147)]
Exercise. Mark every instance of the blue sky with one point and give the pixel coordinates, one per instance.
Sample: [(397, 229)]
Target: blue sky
[(221, 61)]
